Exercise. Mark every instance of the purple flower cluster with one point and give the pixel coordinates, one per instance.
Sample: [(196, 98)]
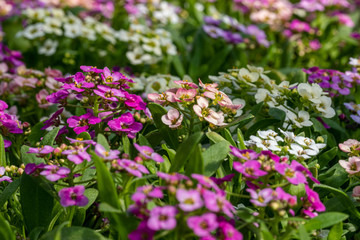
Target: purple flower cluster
[(203, 207), (8, 123), (333, 81), (230, 30), (354, 110), (104, 90), (256, 169)]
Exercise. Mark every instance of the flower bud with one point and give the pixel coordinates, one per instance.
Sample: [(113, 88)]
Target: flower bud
[(320, 139)]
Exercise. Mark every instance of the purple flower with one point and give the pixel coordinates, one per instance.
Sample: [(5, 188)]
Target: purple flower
[(125, 123), (213, 31), (312, 202), (90, 69), (79, 141), (145, 193), (132, 167), (250, 169), (343, 87), (172, 178), (203, 225), (246, 154), (220, 181), (43, 150), (107, 155), (54, 173), (79, 83), (162, 218), (281, 195), (53, 120), (81, 123), (2, 177), (205, 181), (77, 155), (261, 198), (190, 200), (148, 153), (290, 172), (217, 202), (134, 101), (109, 78), (73, 196), (229, 232), (143, 232), (3, 105), (32, 168), (109, 93), (56, 97)]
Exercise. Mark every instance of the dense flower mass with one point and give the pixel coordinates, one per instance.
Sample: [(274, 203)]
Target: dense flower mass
[(158, 119)]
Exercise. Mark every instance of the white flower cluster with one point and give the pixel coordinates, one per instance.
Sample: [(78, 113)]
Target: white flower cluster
[(156, 83), (146, 46), (160, 12), (297, 102), (297, 146), (57, 23), (355, 62)]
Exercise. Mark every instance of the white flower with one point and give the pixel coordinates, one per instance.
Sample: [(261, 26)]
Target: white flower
[(302, 119), (88, 33), (270, 135), (300, 152), (238, 101), (34, 31), (265, 144), (309, 143), (248, 77), (35, 14), (156, 85), (137, 56), (72, 30), (289, 136), (52, 25), (325, 107), (264, 95), (310, 92), (354, 62), (48, 48), (151, 45)]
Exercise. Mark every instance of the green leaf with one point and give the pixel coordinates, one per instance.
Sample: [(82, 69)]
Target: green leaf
[(36, 203), (303, 234), (101, 139), (277, 114), (171, 152), (215, 137), (178, 66), (2, 152), (241, 141), (119, 222), (344, 199), (327, 156), (71, 233), (170, 136), (336, 232), (214, 155), (9, 191), (228, 137), (49, 138), (36, 133), (325, 220), (196, 162), (5, 230), (84, 136), (185, 151), (91, 194), (104, 207), (126, 144), (143, 141), (29, 157)]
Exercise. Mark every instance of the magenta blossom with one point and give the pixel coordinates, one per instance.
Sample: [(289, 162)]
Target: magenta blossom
[(54, 173), (43, 150), (281, 195), (172, 178), (125, 123), (217, 202), (133, 168), (173, 118), (54, 120), (58, 96), (134, 101), (90, 69), (229, 232), (143, 232), (2, 177), (162, 218), (108, 93), (261, 198), (145, 193), (312, 203), (190, 200), (250, 169), (148, 153), (77, 155), (107, 155), (73, 196), (203, 225), (246, 154), (81, 123), (290, 172)]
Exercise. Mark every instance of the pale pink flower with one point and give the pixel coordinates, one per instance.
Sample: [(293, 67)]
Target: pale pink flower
[(201, 109), (352, 166), (349, 145), (173, 118), (41, 98), (356, 192), (185, 95)]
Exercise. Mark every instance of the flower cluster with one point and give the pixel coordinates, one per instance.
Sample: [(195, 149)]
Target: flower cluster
[(9, 123), (256, 169), (298, 147), (54, 23), (232, 31), (199, 207), (200, 101), (146, 46), (105, 92)]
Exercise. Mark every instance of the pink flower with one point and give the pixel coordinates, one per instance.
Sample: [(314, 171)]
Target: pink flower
[(107, 155), (108, 93), (290, 172), (311, 203), (81, 123), (186, 84), (349, 145), (203, 225), (173, 118), (126, 124), (261, 198), (217, 202), (250, 169), (145, 193), (229, 232), (41, 99), (73, 196), (246, 154), (286, 197), (356, 192), (162, 218), (134, 101), (132, 167), (143, 232), (201, 109), (2, 177), (54, 173), (77, 155), (185, 95), (148, 153), (43, 150), (352, 166), (190, 200), (164, 98)]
